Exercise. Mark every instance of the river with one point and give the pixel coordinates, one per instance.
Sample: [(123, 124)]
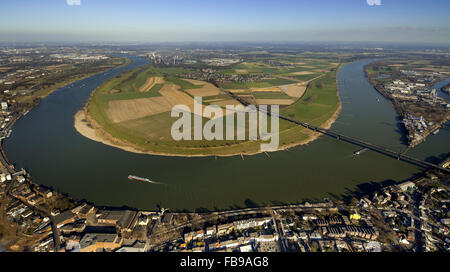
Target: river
[(46, 144), (438, 86)]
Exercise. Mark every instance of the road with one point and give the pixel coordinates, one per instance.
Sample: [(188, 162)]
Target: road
[(56, 237), (278, 230), (4, 161)]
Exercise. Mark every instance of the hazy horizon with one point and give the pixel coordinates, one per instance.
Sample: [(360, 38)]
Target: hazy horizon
[(134, 21)]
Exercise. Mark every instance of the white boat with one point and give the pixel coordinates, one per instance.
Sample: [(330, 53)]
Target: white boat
[(360, 151)]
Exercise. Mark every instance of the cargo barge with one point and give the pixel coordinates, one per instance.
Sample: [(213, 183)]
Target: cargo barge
[(131, 177)]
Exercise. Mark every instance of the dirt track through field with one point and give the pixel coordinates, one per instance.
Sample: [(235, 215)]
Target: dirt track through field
[(302, 73), (295, 90), (274, 101), (176, 97), (268, 89), (207, 90), (151, 81)]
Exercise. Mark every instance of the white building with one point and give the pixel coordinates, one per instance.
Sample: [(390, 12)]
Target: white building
[(407, 185), (143, 220), (211, 231), (246, 248), (20, 179)]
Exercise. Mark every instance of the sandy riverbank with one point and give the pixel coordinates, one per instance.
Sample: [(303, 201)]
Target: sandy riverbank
[(89, 128)]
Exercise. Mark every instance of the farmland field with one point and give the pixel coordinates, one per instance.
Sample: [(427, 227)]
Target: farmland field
[(135, 107)]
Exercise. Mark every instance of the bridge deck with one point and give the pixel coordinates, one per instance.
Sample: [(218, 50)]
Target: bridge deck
[(358, 142)]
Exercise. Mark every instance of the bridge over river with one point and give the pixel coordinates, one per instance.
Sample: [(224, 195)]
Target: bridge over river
[(348, 139)]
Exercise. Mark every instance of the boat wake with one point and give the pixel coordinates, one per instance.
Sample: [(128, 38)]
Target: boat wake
[(135, 178), (359, 152)]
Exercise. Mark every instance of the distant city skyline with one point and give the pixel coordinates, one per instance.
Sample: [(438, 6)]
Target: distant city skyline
[(412, 21)]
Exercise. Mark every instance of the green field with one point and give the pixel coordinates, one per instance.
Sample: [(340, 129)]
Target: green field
[(306, 77), (318, 103), (259, 84), (152, 133), (185, 85), (270, 95)]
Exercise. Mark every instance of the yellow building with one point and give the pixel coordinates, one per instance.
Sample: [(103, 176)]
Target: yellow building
[(355, 216), (446, 164)]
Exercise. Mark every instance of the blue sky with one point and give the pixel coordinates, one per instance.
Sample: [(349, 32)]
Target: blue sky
[(225, 20)]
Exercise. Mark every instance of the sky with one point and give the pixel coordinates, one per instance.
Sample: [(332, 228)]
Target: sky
[(410, 21)]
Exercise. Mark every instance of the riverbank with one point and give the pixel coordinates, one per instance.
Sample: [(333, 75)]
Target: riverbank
[(446, 89), (42, 93), (410, 104), (89, 128), (36, 98)]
